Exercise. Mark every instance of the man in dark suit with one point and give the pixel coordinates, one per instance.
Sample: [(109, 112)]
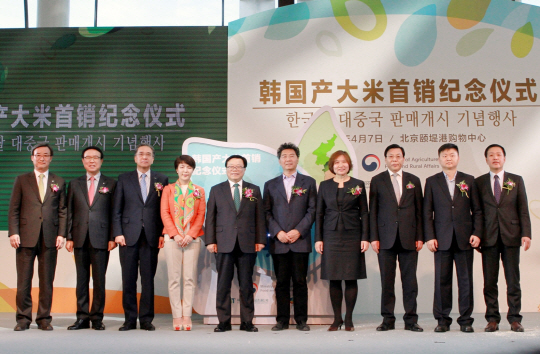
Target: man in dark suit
[(90, 234), (37, 228), (290, 202), (395, 205), (138, 229), (507, 226), (235, 232), (452, 225)]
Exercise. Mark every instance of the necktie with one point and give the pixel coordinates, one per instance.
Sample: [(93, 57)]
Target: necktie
[(143, 187), (236, 196), (91, 191), (41, 187), (396, 187), (497, 189)]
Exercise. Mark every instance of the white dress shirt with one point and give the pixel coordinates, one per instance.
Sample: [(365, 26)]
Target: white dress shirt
[(96, 181), (45, 178), (451, 184), (288, 183), (492, 180), (399, 179), (231, 183), (147, 179)]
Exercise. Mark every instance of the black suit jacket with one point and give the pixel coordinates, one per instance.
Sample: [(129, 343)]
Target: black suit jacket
[(444, 216), (354, 211), (224, 225), (94, 220), (27, 214), (298, 214), (510, 216), (387, 216), (130, 213)]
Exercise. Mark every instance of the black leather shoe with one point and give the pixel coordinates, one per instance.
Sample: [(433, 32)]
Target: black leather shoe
[(517, 327), (223, 327), (442, 328), (302, 326), (466, 329), (45, 326), (127, 326), (248, 327), (21, 327), (280, 326), (98, 325), (147, 326), (413, 327), (492, 326), (385, 327), (79, 324)]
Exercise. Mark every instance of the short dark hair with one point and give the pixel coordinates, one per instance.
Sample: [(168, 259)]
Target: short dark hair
[(448, 146), (188, 160), (93, 148), (141, 145), (334, 157), (236, 157), (40, 145), (492, 146), (394, 146), (286, 146)]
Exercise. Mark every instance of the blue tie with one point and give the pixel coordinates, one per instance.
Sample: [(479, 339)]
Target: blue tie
[(497, 189), (143, 187)]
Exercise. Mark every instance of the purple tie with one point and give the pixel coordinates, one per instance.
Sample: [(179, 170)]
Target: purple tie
[(497, 189)]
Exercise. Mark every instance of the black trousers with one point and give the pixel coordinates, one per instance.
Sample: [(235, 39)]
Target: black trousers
[(140, 257), (442, 303), (225, 263), (291, 266), (490, 266), (98, 259), (25, 257), (408, 261)]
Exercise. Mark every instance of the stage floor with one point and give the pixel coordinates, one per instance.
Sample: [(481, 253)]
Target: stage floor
[(202, 338)]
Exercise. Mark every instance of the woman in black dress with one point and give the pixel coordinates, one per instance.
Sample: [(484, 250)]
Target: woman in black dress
[(342, 234)]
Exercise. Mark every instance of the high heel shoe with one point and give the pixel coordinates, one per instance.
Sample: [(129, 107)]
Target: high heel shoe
[(349, 326), (335, 326), (177, 324), (187, 326)]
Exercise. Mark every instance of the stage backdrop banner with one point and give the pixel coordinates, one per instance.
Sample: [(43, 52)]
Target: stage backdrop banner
[(416, 73), (109, 87)]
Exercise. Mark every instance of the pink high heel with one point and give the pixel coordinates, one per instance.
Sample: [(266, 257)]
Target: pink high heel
[(177, 326), (187, 326)]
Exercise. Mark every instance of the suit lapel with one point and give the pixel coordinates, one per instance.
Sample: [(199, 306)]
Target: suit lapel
[(442, 183), (243, 200), (102, 183), (32, 181), (226, 190), (457, 190), (134, 178), (503, 191), (48, 186), (405, 179), (84, 189), (388, 182), (487, 185), (281, 186)]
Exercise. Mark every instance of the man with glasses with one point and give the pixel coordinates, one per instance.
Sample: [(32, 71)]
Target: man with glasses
[(90, 236), (138, 229), (37, 229), (235, 232)]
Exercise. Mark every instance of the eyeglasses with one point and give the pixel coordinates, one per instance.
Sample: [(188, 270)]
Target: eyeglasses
[(235, 168), (92, 158), (39, 156)]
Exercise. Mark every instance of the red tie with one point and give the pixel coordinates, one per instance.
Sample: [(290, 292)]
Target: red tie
[(91, 191)]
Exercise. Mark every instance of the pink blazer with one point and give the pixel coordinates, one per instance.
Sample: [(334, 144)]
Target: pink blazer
[(167, 213)]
